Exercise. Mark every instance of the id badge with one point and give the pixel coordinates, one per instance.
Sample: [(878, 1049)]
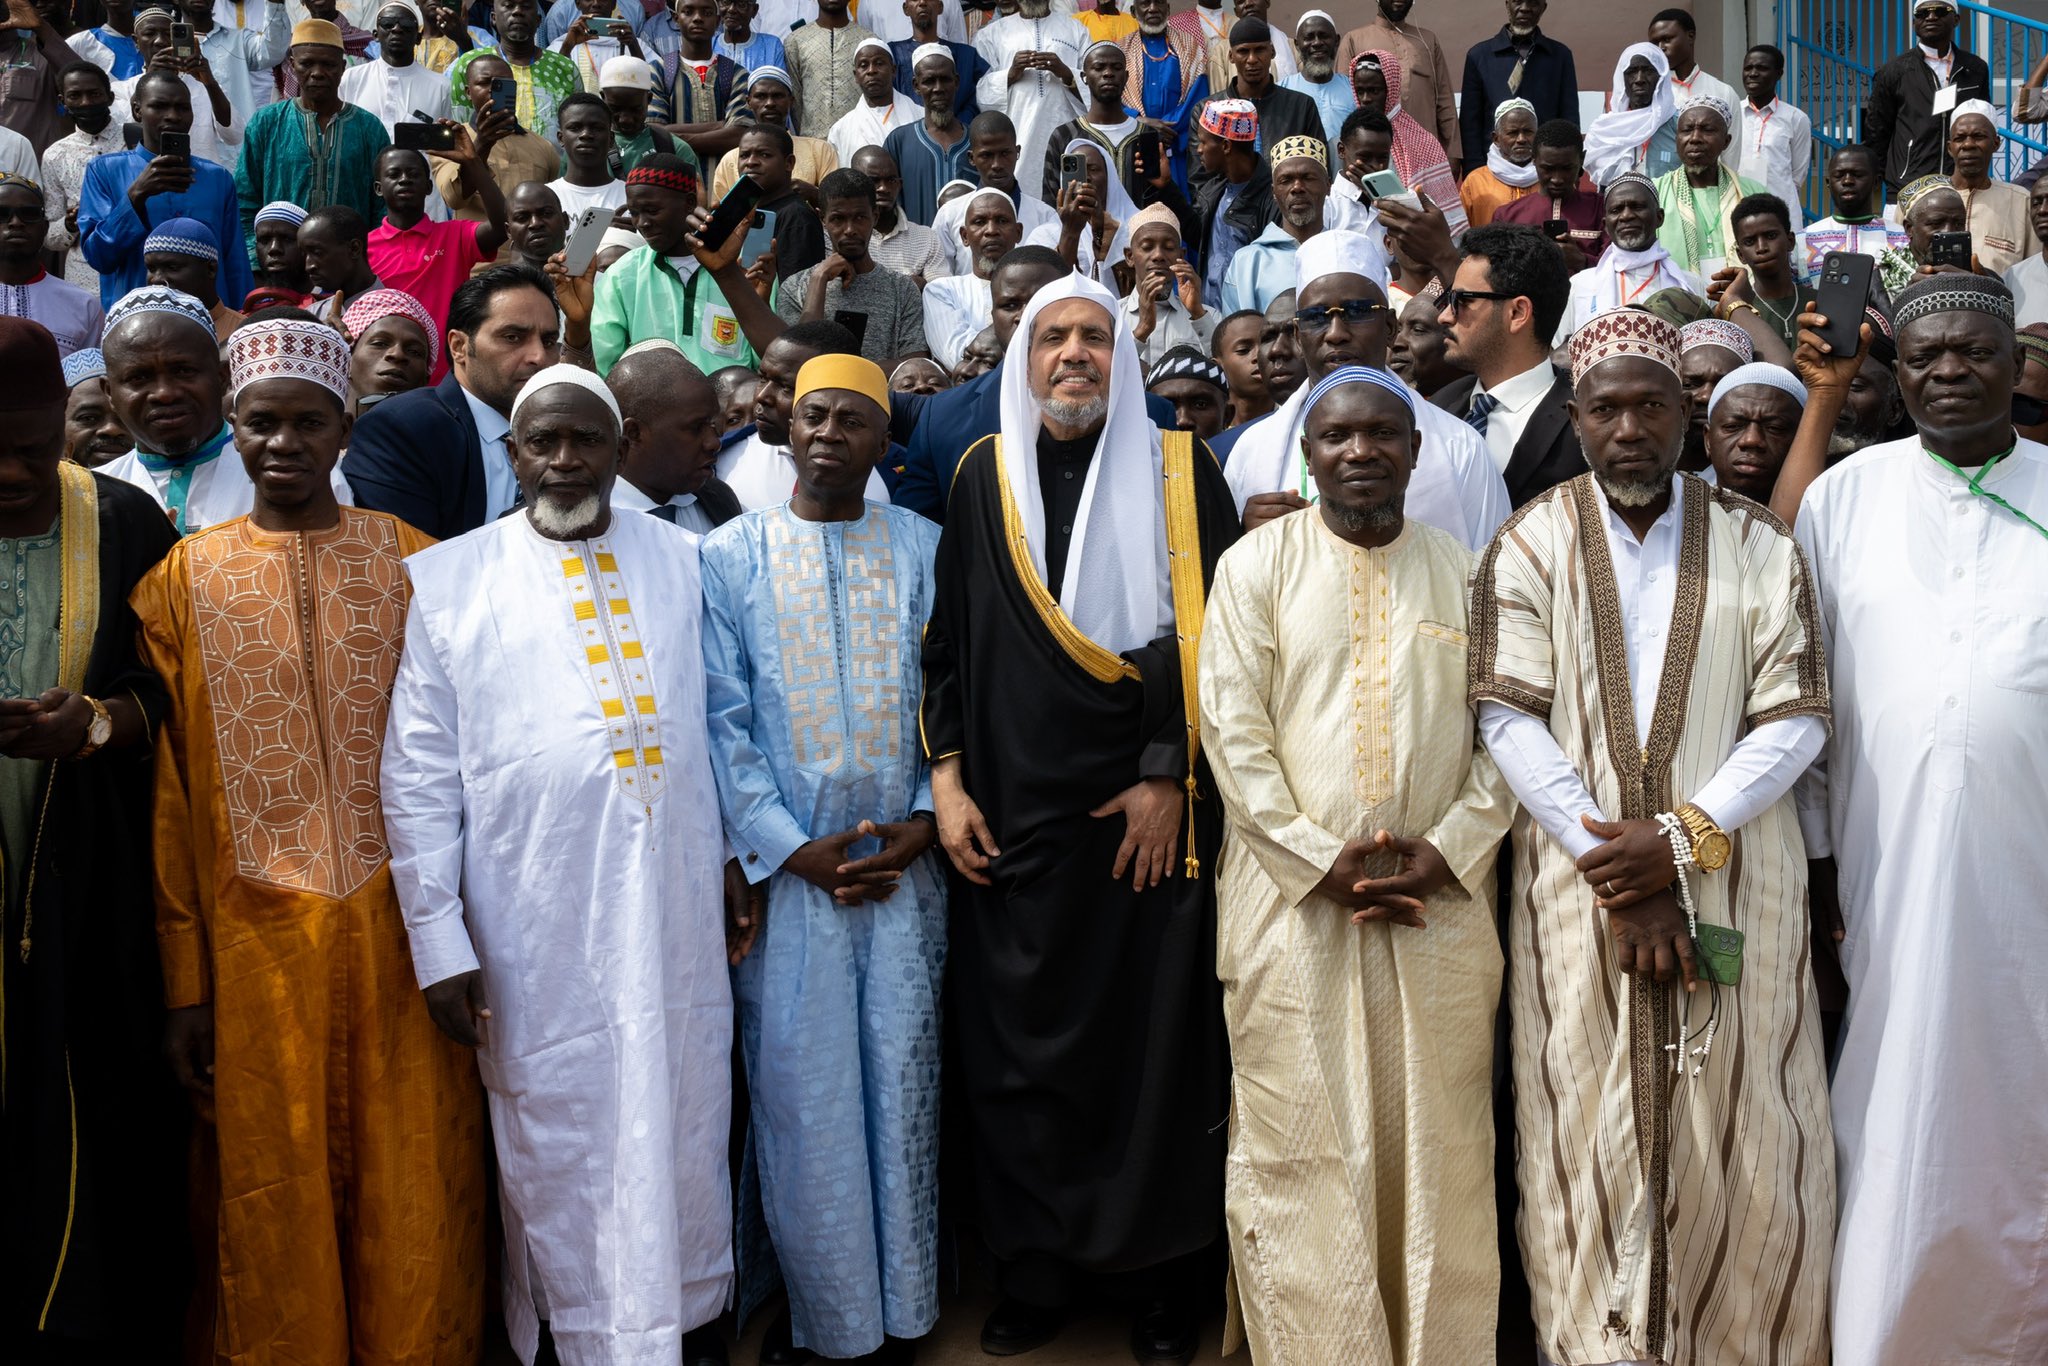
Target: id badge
[(1720, 954), (1944, 99)]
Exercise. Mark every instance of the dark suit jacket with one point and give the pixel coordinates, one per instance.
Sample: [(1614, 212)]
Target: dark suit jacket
[(1548, 452), (937, 430), (1899, 122), (418, 457), (1550, 82)]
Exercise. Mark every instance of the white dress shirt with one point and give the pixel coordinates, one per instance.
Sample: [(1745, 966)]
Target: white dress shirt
[(764, 476), (1761, 768), (1171, 326), (1516, 399), (690, 514), (1777, 151), (956, 308), (1701, 83), (243, 58), (219, 143), (393, 92), (494, 432)]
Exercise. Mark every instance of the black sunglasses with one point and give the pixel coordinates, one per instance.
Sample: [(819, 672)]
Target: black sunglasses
[(1354, 311), (1455, 300)]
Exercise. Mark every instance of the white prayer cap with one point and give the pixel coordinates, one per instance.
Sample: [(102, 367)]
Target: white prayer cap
[(1981, 108), (878, 45), (1101, 42), (619, 237), (1756, 372), (573, 375), (407, 5), (925, 50), (625, 73), (1338, 251), (1323, 15)]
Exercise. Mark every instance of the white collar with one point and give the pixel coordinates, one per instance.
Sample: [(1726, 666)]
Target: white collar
[(627, 497), (1519, 391), (1668, 521)]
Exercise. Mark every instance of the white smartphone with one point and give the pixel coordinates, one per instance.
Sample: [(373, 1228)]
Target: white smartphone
[(586, 232)]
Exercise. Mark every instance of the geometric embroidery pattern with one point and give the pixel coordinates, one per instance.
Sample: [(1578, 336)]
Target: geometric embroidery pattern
[(1371, 678), (618, 666), (840, 668), (300, 644)]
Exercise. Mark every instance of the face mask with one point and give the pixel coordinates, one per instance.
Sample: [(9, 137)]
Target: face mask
[(2028, 411), (91, 120)]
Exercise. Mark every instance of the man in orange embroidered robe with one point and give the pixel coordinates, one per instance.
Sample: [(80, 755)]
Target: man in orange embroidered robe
[(349, 1131)]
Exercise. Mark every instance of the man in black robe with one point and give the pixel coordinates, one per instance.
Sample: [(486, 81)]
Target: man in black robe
[(1059, 718), (92, 1213)]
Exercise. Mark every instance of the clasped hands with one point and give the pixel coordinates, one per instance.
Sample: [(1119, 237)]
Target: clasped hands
[(1397, 899), (1632, 876)]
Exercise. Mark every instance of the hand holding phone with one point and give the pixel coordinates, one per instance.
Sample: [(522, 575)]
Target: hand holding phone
[(1843, 292), (1952, 249), (584, 238)]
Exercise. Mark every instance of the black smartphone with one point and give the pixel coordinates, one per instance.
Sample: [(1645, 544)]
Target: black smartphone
[(183, 45), (172, 144), (854, 322), (369, 401), (1555, 228), (1073, 170), (604, 28), (422, 137), (735, 209), (1148, 152), (505, 94), (1843, 293), (1949, 249)]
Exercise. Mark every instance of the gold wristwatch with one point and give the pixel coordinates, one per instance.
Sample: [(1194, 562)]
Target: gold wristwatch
[(98, 731), (1711, 846)]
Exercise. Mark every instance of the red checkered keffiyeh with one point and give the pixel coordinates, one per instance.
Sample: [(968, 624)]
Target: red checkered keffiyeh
[(1624, 332), (288, 348), (390, 303)]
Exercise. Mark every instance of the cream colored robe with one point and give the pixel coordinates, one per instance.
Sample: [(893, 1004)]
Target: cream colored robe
[(1663, 1219), (1359, 1185)]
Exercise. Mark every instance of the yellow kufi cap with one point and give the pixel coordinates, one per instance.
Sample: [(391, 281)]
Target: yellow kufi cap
[(316, 33), (856, 373)]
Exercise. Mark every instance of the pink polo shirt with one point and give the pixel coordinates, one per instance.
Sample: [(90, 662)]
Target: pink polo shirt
[(429, 261)]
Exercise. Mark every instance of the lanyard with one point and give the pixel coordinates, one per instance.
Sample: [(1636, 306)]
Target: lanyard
[(1976, 484), (1763, 121)]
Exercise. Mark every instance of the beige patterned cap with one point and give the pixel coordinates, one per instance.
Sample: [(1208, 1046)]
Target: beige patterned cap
[(1624, 332), (288, 348)]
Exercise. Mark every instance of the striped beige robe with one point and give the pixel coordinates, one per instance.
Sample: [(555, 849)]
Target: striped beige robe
[(1359, 1185), (1663, 1218)]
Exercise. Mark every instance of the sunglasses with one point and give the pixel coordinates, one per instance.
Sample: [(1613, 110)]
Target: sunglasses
[(1355, 311), (35, 214), (1455, 301)]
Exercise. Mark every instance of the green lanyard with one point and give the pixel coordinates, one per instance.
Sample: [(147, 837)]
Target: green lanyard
[(1976, 483)]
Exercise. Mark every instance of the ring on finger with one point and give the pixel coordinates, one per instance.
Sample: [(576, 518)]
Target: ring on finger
[(1608, 887)]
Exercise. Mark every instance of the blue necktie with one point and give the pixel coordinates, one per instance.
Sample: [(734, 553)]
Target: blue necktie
[(1482, 406)]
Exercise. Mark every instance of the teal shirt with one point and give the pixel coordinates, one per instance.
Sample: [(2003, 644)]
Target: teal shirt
[(285, 156), (643, 296)]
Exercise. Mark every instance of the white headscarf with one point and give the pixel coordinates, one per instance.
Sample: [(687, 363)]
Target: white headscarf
[(1617, 135), (1121, 207), (1520, 177), (1115, 589)]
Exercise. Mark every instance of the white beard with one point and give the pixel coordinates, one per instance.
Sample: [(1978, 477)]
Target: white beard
[(557, 523), (1633, 493)]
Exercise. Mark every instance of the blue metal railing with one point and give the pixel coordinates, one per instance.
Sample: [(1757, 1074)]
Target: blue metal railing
[(1833, 47)]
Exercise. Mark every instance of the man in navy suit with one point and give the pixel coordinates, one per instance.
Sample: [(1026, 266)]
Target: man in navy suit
[(938, 428), (437, 458)]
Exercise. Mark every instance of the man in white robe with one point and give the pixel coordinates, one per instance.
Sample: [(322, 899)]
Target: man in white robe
[(881, 108), (761, 471), (556, 847), (1355, 930), (1034, 65), (1635, 267), (1930, 559), (1456, 486), (1648, 672)]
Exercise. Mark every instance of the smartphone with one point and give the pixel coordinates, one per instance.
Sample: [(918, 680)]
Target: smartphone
[(854, 322), (1555, 228), (736, 208), (1148, 152), (1949, 249), (422, 137), (1073, 170), (369, 401), (1842, 294), (505, 94), (171, 144), (760, 237), (183, 45), (582, 239)]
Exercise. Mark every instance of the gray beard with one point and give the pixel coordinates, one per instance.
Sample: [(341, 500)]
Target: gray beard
[(1632, 493), (1842, 444), (1317, 71), (1367, 521), (1034, 9), (1150, 30), (1079, 413), (566, 524)]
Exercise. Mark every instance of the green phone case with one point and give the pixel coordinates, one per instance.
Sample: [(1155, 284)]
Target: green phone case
[(1720, 954)]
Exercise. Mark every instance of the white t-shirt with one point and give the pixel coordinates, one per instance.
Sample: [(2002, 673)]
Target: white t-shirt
[(576, 198)]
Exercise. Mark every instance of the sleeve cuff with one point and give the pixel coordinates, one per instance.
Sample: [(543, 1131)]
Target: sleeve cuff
[(187, 981), (441, 949), (766, 844)]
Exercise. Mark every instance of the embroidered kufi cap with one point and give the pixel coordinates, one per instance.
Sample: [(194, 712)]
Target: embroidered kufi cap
[(1756, 372), (281, 211), (1632, 178), (665, 171), (855, 373), (82, 365), (1188, 362), (1919, 189), (770, 73), (1359, 374), (1153, 215), (1951, 291), (1301, 145), (1713, 102), (391, 303), (157, 299), (288, 348), (183, 237), (35, 373), (1714, 332), (576, 377), (1624, 332), (1232, 120), (1507, 107)]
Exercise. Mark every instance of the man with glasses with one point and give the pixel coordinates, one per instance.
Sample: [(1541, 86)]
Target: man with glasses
[(72, 315), (1906, 121), (394, 86), (1343, 319), (1501, 312)]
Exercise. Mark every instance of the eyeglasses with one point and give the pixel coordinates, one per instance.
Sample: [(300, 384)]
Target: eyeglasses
[(1455, 300), (1354, 310), (34, 214)]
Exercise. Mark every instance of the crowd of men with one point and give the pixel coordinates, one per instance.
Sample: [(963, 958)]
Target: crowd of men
[(1405, 775)]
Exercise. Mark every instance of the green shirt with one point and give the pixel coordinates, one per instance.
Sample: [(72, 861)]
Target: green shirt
[(643, 296), (633, 148), (31, 591), (287, 155)]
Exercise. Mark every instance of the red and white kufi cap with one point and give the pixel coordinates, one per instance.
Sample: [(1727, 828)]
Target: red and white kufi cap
[(1623, 332), (1232, 120), (288, 348)]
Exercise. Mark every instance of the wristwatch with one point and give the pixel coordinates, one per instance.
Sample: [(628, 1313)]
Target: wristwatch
[(1711, 846), (97, 731)]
